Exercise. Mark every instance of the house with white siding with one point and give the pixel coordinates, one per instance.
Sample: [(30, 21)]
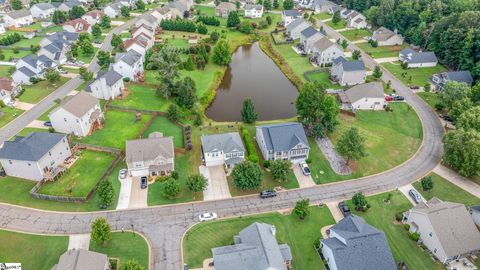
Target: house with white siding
[(294, 29), (108, 85), (253, 11), (438, 81), (414, 59), (18, 18), (8, 90), (113, 10), (366, 96), (308, 37), (289, 16), (348, 73), (220, 149), (356, 20), (129, 64), (31, 66), (42, 10), (387, 37), (325, 52), (77, 26), (93, 17)]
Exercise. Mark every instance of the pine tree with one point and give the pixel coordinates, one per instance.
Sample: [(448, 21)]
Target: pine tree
[(249, 115)]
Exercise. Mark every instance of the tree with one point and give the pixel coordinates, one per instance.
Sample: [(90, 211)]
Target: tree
[(132, 264), (100, 230), (96, 31), (359, 201), (186, 96), (470, 119), (288, 4), (427, 183), (267, 4), (202, 29), (85, 74), (140, 5), (106, 193), (454, 91), (351, 145), (197, 183), (76, 12), (356, 54), (52, 75), (103, 58), (16, 4), (247, 175), (34, 48), (125, 11), (116, 41), (245, 27), (336, 17), (462, 151), (302, 208), (248, 113), (214, 36), (233, 19), (344, 44), (459, 107), (269, 20), (171, 188), (87, 47), (280, 169), (173, 113), (221, 53), (167, 61), (59, 17), (276, 4), (106, 22), (377, 72)]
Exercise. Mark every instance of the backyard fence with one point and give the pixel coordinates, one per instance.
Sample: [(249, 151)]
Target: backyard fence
[(349, 113), (317, 69), (278, 42)]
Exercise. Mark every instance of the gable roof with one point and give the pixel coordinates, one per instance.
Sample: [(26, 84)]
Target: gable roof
[(354, 65), (371, 90), (295, 23), (18, 14), (149, 148), (79, 104), (28, 72), (226, 142), (111, 77), (414, 57), (226, 5), (130, 57), (309, 32), (250, 7), (32, 147), (44, 6), (324, 43), (79, 259), (291, 13), (78, 21), (6, 84), (458, 76), (284, 136), (383, 34), (96, 14)]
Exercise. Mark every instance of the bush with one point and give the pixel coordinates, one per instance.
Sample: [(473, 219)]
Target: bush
[(251, 150), (208, 20), (174, 175), (247, 175), (427, 183), (10, 39), (162, 178), (414, 236), (406, 226), (267, 163), (439, 106), (398, 216), (178, 25)]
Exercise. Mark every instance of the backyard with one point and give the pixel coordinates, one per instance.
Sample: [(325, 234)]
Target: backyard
[(413, 76), (36, 92), (356, 34), (142, 96), (431, 98), (381, 51), (165, 126), (323, 16), (323, 78), (299, 235), (340, 25)]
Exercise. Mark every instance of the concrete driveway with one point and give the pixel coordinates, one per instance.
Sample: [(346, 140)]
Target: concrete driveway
[(79, 241), (303, 180), (336, 213), (138, 196), (405, 190), (217, 187), (125, 191)]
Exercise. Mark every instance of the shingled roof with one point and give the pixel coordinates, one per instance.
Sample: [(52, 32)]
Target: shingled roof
[(226, 142), (79, 104), (370, 90), (32, 147), (283, 137)]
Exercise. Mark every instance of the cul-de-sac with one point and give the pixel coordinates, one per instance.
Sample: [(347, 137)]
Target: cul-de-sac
[(240, 134)]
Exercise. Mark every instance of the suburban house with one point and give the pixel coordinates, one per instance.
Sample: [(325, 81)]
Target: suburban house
[(93, 17), (253, 11), (8, 90), (438, 81), (289, 16), (318, 6), (445, 228), (225, 148), (77, 26), (152, 156), (180, 7), (414, 59), (148, 20), (224, 8), (356, 20), (35, 157), (18, 18), (295, 28), (475, 212), (366, 96), (55, 47), (387, 37), (325, 52), (354, 244), (142, 29), (31, 66), (255, 247), (129, 64), (63, 36), (79, 259), (348, 73), (138, 44), (308, 37), (113, 10), (283, 141), (79, 115), (108, 85), (68, 5), (345, 12), (42, 10), (162, 13)]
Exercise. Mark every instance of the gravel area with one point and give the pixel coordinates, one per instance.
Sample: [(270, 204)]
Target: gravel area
[(337, 162)]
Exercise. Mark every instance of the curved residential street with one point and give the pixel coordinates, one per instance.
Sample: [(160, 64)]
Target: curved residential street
[(164, 226)]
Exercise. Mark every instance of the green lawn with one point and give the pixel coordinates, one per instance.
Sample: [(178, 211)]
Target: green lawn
[(32, 251), (86, 58), (431, 98), (382, 216), (25, 43), (4, 71), (322, 78), (36, 92), (299, 235), (356, 34), (80, 179), (381, 51), (9, 54), (28, 130), (299, 64), (413, 76), (8, 115), (446, 191), (119, 126), (142, 96), (323, 16), (124, 246), (340, 25), (168, 128)]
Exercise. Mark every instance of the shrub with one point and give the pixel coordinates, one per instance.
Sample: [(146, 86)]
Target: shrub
[(427, 183), (208, 20), (174, 175), (406, 226), (252, 151), (51, 130), (178, 25), (267, 164), (398, 216), (414, 236), (247, 175)]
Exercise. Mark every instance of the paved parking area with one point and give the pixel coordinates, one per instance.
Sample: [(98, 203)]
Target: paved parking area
[(303, 180), (217, 187), (138, 196), (336, 213), (79, 241), (37, 124), (405, 190), (125, 191)]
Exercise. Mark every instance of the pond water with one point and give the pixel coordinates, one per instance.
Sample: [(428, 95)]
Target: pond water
[(253, 74)]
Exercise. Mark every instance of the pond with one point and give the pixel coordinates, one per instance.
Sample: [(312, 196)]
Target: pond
[(253, 74)]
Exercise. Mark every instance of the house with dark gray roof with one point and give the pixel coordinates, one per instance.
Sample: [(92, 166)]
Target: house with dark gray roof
[(107, 85), (475, 212), (289, 16), (318, 6), (81, 259), (68, 5), (129, 64), (254, 248), (386, 37), (366, 96), (325, 52), (283, 141), (354, 244), (18, 18), (438, 81), (224, 148), (348, 73), (38, 156), (42, 10), (294, 29), (253, 11), (31, 66), (414, 59), (308, 37)]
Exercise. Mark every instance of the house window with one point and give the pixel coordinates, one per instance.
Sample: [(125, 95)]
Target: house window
[(29, 164), (430, 234), (9, 161), (435, 251)]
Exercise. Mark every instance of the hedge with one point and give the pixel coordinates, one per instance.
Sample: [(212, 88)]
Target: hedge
[(252, 151)]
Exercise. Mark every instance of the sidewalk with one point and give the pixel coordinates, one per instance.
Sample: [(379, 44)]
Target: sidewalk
[(386, 59), (458, 180)]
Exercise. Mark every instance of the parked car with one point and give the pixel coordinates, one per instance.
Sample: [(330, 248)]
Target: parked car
[(63, 71), (389, 98), (415, 196), (344, 208), (269, 193), (143, 182), (122, 173), (207, 216), (398, 98), (47, 123), (305, 170), (447, 118)]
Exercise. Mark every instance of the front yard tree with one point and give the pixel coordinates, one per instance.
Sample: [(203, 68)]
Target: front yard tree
[(106, 22), (59, 17), (103, 58), (76, 12), (276, 4), (96, 31), (336, 17), (132, 264), (233, 19), (454, 91), (100, 230), (360, 201), (125, 12), (116, 41), (173, 113), (356, 54), (427, 183), (351, 145), (462, 151), (52, 75), (87, 47), (470, 119), (249, 115), (197, 183), (247, 175), (302, 208), (288, 4), (377, 72), (344, 44), (459, 107), (221, 52), (280, 169), (16, 4), (171, 188), (106, 193), (186, 96), (85, 74), (140, 5), (267, 4)]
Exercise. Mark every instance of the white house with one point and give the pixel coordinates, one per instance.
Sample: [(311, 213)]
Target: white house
[(387, 37), (289, 16), (445, 228), (414, 59), (325, 52), (35, 157), (356, 20), (129, 64), (93, 17), (18, 18), (8, 90), (42, 10), (253, 11), (31, 66), (348, 73), (107, 86), (142, 29), (295, 28), (225, 148), (152, 156), (438, 81), (77, 26), (162, 13), (367, 96), (113, 10), (148, 20), (79, 115), (68, 5), (138, 44), (308, 37)]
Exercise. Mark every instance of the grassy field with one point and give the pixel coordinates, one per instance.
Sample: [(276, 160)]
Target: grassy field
[(340, 25), (86, 58), (299, 235), (299, 64), (4, 71), (446, 191), (322, 78), (36, 92), (28, 130), (323, 16), (119, 126), (355, 34), (79, 179), (413, 76), (168, 128), (382, 216), (32, 251), (8, 115), (142, 97), (10, 54), (124, 246), (381, 51), (431, 98)]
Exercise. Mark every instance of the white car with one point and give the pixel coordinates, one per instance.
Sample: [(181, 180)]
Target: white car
[(305, 170), (122, 174), (207, 216)]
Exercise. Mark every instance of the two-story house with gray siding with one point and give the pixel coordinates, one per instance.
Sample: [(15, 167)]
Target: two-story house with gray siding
[(294, 29), (325, 52), (348, 73), (108, 85), (36, 156), (225, 148), (286, 141), (129, 64), (308, 37)]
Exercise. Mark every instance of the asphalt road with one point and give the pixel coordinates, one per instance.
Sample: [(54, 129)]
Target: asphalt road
[(164, 226)]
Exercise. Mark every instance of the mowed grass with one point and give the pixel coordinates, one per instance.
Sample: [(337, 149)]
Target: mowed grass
[(36, 92), (382, 216), (32, 251), (8, 114), (81, 177), (413, 76), (381, 51), (322, 78), (323, 16), (119, 127), (4, 71), (340, 25), (431, 98), (299, 235), (299, 64), (124, 246), (165, 126), (142, 96), (28, 130), (355, 34), (446, 191)]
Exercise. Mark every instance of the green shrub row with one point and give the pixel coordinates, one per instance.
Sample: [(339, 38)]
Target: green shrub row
[(252, 152)]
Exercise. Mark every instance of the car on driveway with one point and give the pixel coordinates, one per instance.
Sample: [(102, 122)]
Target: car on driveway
[(305, 170), (398, 98), (344, 208), (269, 193), (143, 182), (415, 196), (122, 173), (47, 124), (207, 216)]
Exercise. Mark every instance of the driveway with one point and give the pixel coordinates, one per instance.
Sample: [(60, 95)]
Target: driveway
[(24, 105), (386, 60), (303, 180), (79, 241), (217, 187), (37, 124), (336, 213), (138, 196), (405, 190), (125, 191)]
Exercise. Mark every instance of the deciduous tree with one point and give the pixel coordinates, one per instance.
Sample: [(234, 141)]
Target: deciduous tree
[(100, 230), (106, 193), (197, 183), (247, 175), (233, 19), (351, 145), (454, 91), (288, 4), (280, 170), (470, 119), (462, 151), (170, 188), (221, 53), (125, 11), (359, 201), (427, 183), (132, 264), (302, 208)]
